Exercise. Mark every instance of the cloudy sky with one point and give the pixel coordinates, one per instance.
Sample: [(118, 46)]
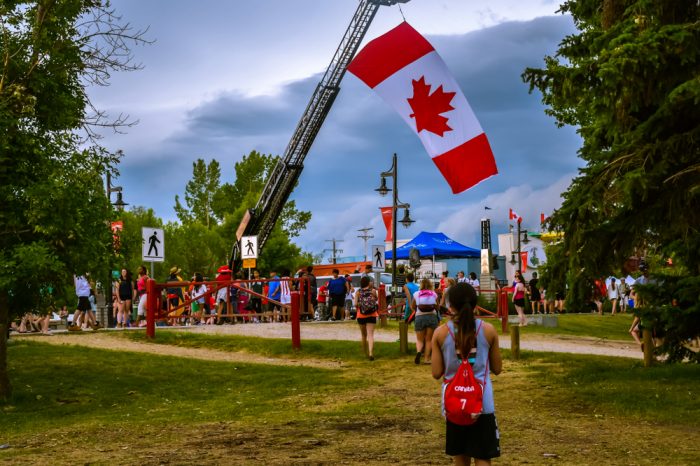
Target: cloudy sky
[(227, 77)]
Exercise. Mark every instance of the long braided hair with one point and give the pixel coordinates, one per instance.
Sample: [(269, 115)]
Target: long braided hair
[(462, 298)]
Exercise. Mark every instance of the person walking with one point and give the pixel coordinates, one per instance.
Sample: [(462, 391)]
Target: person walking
[(425, 305), (312, 286), (127, 290), (349, 295), (474, 282), (465, 336), (141, 296), (613, 294), (534, 292), (199, 290), (519, 298), (409, 289), (273, 294), (255, 301), (366, 300), (285, 295), (337, 287), (82, 291)]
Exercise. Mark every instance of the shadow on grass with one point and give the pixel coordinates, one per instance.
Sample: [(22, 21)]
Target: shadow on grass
[(71, 386), (273, 347)]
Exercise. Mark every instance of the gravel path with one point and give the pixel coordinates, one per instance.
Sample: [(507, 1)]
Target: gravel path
[(326, 331), (349, 331)]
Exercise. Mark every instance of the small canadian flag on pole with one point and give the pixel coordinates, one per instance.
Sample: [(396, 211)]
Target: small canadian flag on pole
[(512, 215), (406, 71)]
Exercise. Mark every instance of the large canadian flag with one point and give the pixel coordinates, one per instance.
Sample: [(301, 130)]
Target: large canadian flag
[(406, 71)]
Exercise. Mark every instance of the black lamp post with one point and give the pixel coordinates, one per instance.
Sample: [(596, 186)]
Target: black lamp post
[(522, 239), (119, 204), (406, 221)]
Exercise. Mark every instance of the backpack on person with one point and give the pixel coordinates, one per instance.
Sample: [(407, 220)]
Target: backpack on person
[(464, 394), (368, 302)]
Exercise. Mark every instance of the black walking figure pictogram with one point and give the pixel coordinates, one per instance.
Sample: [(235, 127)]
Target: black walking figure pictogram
[(249, 248), (152, 240), (378, 256)]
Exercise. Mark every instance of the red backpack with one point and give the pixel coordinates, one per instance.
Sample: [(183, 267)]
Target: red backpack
[(464, 395)]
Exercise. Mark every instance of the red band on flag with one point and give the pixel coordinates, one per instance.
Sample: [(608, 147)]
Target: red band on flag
[(523, 260), (387, 217), (388, 53), (468, 164)]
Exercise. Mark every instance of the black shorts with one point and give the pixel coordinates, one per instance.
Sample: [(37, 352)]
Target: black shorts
[(84, 303), (480, 440), (519, 302), (366, 320), (338, 300), (125, 296)]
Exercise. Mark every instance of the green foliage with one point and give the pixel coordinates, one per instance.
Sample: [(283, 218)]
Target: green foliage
[(199, 194), (629, 81), (54, 219), (672, 311)]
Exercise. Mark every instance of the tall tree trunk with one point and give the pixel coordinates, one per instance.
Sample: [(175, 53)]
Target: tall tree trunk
[(5, 387)]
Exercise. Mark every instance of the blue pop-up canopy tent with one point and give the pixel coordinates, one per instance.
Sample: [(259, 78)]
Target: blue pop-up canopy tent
[(434, 245)]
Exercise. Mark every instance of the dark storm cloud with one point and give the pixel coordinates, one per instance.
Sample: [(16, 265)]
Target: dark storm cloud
[(361, 133)]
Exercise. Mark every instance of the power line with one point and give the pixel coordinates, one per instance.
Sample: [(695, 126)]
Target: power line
[(334, 249), (366, 237)]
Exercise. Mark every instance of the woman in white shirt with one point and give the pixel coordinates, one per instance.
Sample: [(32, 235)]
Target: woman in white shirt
[(613, 294)]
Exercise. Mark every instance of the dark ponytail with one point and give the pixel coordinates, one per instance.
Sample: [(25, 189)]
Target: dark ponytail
[(462, 299)]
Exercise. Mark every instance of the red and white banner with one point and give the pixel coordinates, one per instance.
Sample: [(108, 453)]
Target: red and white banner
[(523, 260), (512, 215), (406, 71), (386, 216)]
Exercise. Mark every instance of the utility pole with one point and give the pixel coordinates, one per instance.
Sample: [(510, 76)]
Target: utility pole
[(334, 250), (366, 237)]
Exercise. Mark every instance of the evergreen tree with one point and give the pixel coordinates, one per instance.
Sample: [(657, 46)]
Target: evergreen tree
[(629, 81)]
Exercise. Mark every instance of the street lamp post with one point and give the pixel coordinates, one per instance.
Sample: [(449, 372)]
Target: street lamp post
[(406, 221), (522, 239), (119, 204)]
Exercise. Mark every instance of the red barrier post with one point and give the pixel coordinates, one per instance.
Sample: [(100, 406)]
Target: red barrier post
[(296, 327), (151, 304), (503, 301)]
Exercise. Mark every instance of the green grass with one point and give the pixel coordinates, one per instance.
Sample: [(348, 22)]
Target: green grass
[(110, 399), (60, 385), (271, 347), (587, 325), (619, 386)]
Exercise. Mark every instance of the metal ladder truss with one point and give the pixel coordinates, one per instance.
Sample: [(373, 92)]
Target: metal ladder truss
[(285, 175)]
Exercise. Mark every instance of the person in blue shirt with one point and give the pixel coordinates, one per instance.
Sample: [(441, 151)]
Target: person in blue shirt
[(274, 292), (408, 289), (337, 288)]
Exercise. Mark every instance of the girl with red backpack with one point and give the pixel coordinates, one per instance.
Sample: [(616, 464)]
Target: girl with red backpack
[(366, 300), (467, 346)]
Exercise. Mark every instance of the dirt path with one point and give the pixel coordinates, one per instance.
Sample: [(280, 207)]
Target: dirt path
[(104, 340), (331, 331)]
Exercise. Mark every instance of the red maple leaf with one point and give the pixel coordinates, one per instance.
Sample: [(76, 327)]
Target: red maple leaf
[(427, 107)]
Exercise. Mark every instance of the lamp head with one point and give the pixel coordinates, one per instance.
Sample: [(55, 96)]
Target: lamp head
[(406, 221), (120, 204), (382, 189)]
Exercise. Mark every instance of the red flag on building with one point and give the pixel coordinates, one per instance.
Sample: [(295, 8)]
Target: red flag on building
[(386, 216), (406, 71)]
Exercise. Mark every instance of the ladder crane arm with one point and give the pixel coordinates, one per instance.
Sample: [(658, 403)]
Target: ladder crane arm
[(281, 182)]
